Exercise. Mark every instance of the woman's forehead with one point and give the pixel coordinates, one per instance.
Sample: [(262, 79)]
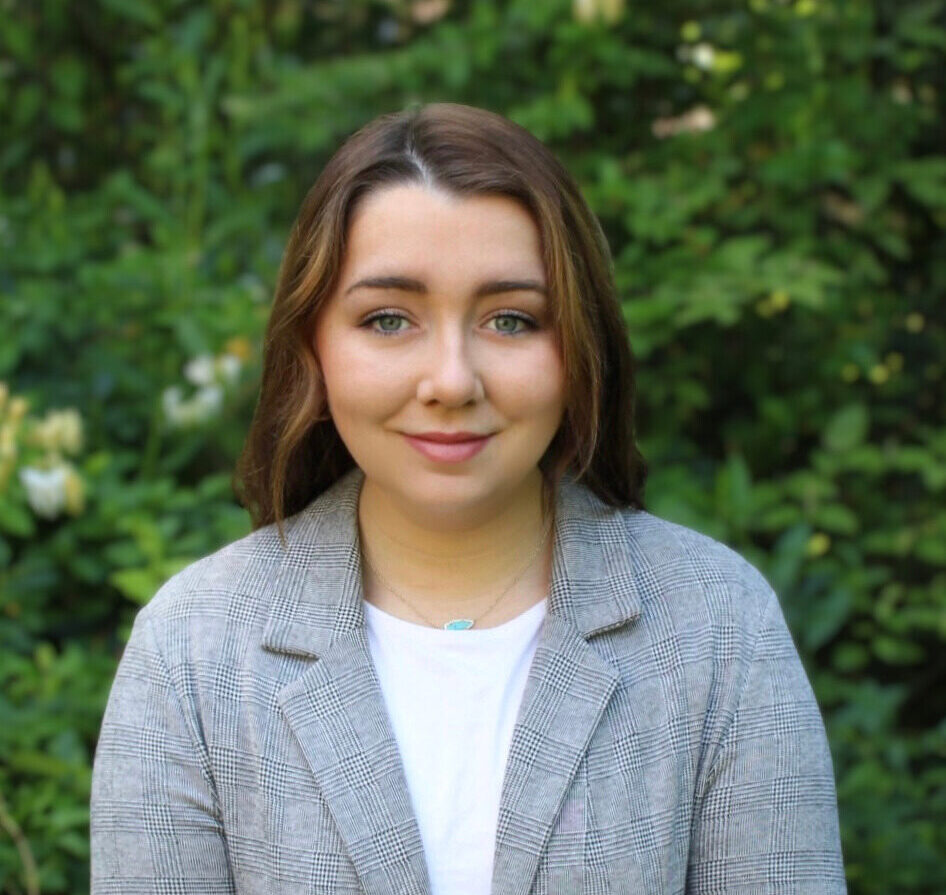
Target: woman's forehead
[(412, 223)]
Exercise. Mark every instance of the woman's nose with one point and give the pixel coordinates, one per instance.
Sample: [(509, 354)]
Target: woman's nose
[(450, 374)]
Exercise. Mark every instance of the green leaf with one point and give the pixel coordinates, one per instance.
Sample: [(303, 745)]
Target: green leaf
[(897, 651), (778, 518), (931, 550), (134, 10), (825, 618), (138, 585), (846, 429), (734, 491), (925, 179), (835, 518), (31, 761), (849, 656), (787, 557), (15, 519), (174, 564)]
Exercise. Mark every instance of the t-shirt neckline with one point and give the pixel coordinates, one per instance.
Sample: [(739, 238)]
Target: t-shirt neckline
[(510, 627)]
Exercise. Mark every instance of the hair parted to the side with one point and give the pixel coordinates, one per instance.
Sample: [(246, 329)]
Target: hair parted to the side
[(293, 453)]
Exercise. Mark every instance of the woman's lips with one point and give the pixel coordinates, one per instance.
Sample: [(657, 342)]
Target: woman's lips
[(448, 453)]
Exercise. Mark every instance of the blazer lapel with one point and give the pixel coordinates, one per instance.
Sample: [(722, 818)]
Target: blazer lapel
[(594, 588), (568, 688), (336, 708), (337, 713)]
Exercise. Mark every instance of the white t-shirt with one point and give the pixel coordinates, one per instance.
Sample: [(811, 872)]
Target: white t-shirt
[(453, 697)]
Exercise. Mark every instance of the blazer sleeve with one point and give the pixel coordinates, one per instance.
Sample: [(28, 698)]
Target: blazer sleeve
[(766, 817), (154, 813)]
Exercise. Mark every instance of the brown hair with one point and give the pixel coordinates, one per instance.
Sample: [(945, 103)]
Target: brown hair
[(291, 456)]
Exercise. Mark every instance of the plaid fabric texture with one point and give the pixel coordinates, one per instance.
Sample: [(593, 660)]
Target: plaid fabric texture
[(668, 740)]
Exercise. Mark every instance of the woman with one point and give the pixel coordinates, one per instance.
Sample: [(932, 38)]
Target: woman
[(456, 655)]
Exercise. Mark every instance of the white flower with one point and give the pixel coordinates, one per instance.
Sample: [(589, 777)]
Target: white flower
[(699, 118), (426, 11), (703, 55), (205, 404), (45, 489), (208, 401), (228, 367), (901, 92), (200, 370), (170, 400)]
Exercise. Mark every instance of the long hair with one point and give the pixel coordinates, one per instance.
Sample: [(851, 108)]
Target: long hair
[(291, 455)]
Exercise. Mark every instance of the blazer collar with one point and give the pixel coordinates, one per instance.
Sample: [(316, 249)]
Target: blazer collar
[(316, 592)]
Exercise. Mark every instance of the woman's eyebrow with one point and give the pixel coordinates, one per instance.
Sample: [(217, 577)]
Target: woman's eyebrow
[(492, 287)]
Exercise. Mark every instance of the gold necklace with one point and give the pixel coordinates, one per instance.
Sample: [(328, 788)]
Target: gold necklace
[(462, 624)]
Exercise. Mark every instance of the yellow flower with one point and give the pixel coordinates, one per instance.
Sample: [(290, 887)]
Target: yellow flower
[(74, 492), (779, 299), (850, 372), (7, 441), (239, 346), (610, 11), (726, 62), (61, 430), (818, 544), (6, 469), (17, 408)]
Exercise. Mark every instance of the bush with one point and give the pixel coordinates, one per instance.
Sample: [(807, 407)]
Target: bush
[(771, 178)]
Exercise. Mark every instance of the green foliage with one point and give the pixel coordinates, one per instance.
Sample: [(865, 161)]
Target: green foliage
[(771, 178)]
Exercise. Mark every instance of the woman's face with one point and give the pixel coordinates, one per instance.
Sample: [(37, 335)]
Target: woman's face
[(458, 338)]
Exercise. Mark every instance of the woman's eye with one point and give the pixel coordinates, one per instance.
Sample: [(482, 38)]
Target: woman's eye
[(527, 323), (507, 327), (383, 317)]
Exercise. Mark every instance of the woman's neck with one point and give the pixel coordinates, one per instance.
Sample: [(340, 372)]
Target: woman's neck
[(456, 568)]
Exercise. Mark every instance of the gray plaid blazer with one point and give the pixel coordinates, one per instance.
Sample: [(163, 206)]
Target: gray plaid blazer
[(668, 740)]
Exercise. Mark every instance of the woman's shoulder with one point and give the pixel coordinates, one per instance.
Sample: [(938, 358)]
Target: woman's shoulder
[(667, 543), (219, 597), (676, 567)]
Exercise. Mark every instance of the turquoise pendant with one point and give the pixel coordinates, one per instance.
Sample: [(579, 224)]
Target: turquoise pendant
[(459, 624)]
